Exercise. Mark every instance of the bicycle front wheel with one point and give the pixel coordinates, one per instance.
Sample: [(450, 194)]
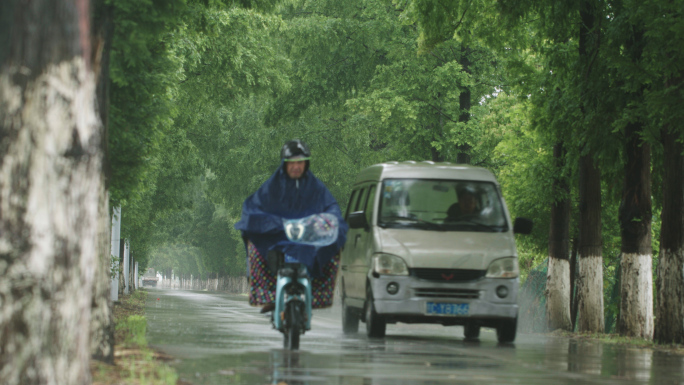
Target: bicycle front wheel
[(294, 322)]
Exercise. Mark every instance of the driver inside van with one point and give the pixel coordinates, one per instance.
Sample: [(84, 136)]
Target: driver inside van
[(467, 205)]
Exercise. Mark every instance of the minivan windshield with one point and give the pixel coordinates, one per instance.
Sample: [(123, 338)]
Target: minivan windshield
[(443, 205)]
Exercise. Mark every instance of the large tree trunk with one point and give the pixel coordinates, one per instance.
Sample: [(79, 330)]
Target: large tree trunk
[(102, 320), (636, 284), (464, 104), (50, 189), (558, 286), (590, 255), (669, 312)]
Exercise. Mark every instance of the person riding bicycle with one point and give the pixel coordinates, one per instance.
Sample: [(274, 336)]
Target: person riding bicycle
[(291, 192)]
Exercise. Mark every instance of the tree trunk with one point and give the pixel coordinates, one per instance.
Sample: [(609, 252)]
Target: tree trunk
[(122, 255), (50, 190), (131, 272), (102, 320), (573, 283), (438, 136), (636, 285), (669, 312), (464, 101), (590, 275), (103, 33), (558, 286)]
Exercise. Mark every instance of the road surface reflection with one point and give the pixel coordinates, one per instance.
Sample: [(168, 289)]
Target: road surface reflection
[(220, 339)]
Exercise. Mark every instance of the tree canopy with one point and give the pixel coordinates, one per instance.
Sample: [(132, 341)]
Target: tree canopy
[(205, 93)]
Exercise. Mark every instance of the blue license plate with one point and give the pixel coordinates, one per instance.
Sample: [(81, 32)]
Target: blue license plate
[(436, 308)]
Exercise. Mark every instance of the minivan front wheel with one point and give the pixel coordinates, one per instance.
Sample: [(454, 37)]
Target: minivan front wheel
[(375, 323), (471, 330), (506, 330)]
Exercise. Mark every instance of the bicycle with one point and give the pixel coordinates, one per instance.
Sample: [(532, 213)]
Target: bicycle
[(292, 313)]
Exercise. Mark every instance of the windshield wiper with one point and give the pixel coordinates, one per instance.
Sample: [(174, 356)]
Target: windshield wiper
[(402, 217), (468, 222), (416, 221)]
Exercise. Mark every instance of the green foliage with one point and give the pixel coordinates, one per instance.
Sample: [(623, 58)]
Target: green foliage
[(168, 61), (584, 96), (135, 327), (138, 364), (231, 55), (414, 103), (356, 92), (335, 47), (523, 160), (200, 241), (204, 93), (142, 74)]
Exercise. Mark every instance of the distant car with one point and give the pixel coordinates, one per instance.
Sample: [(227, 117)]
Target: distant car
[(430, 243), (150, 278)]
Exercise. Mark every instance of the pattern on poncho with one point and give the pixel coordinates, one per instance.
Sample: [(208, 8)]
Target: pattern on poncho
[(262, 283)]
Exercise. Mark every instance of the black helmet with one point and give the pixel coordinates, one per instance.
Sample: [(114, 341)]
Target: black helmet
[(295, 150)]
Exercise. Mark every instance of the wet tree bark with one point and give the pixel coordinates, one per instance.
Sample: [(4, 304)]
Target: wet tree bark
[(50, 191), (669, 312), (558, 286), (102, 321), (636, 285), (590, 254)]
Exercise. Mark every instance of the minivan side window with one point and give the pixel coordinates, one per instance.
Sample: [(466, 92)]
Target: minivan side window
[(359, 205), (369, 204), (352, 202)]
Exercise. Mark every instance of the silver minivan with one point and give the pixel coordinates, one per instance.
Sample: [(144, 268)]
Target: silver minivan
[(430, 243)]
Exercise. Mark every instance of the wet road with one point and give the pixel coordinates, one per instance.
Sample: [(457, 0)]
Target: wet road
[(220, 339)]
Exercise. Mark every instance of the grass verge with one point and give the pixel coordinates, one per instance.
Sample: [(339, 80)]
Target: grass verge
[(616, 339), (134, 362)]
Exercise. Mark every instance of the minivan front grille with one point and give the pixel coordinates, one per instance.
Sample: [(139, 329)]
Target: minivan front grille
[(447, 293), (448, 275)]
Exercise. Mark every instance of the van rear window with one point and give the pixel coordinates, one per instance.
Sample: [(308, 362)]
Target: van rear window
[(445, 205)]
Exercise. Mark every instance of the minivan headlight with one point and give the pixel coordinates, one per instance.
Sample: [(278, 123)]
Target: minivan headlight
[(388, 264), (503, 268)]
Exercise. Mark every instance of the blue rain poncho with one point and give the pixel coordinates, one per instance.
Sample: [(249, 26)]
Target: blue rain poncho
[(283, 197)]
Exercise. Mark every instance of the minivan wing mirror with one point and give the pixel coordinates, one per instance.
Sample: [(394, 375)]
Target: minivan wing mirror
[(522, 226), (357, 220)]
